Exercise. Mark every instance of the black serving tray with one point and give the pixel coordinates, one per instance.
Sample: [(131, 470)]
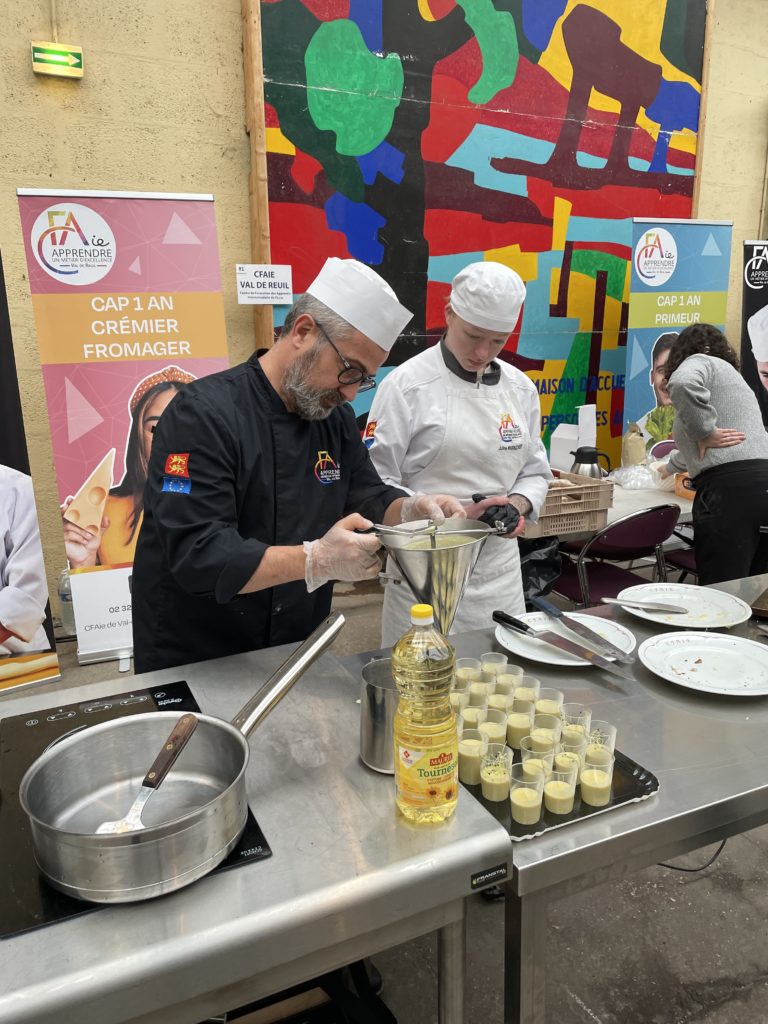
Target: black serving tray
[(631, 783)]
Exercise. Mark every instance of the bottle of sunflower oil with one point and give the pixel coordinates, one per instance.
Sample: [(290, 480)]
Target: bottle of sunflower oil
[(426, 741)]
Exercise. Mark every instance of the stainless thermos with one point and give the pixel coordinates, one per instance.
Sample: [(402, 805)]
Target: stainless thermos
[(585, 462)]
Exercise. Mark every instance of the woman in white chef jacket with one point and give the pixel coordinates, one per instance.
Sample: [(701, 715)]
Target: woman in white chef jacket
[(453, 419), (23, 587)]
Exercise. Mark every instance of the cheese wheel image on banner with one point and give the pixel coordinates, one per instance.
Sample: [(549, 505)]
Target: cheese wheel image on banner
[(86, 509)]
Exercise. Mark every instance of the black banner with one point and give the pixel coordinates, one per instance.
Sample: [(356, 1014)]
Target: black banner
[(754, 322)]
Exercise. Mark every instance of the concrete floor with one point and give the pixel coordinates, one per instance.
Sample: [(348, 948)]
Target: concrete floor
[(658, 948)]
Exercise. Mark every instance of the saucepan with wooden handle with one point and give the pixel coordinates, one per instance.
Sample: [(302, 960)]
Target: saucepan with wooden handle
[(191, 823)]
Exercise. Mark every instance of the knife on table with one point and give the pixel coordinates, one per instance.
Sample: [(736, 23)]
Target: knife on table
[(647, 606), (562, 643), (593, 638)]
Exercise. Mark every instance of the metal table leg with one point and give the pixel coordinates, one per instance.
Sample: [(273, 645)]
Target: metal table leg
[(451, 970), (524, 958)]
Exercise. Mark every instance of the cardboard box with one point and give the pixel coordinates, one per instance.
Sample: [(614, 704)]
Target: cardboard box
[(684, 487)]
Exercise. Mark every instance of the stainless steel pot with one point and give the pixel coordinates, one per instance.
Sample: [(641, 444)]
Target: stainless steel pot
[(192, 823), (378, 703)]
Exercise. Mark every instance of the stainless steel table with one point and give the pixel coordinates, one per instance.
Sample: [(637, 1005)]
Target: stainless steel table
[(709, 754), (347, 878)]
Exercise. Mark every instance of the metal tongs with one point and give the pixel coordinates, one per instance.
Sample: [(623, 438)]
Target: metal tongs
[(401, 531), (380, 529)]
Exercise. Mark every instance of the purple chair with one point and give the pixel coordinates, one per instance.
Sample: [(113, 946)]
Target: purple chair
[(588, 572), (683, 559), (662, 448)]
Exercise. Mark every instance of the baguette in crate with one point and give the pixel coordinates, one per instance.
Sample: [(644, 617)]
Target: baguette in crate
[(573, 504)]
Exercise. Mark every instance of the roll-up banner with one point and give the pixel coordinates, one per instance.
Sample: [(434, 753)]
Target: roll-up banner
[(27, 647), (754, 322), (679, 277), (127, 299)]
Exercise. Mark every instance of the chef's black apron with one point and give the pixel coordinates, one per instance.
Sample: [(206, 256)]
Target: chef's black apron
[(232, 472)]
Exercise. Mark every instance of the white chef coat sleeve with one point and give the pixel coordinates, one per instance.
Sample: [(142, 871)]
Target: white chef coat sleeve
[(23, 587), (535, 476), (388, 433)]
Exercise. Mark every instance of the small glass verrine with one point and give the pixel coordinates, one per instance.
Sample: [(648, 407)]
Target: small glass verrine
[(560, 790), (519, 724), (467, 668), (494, 725), (549, 701), (492, 664), (472, 748), (525, 796), (496, 772), (508, 680), (459, 694), (576, 719), (596, 779), (528, 688), (546, 729)]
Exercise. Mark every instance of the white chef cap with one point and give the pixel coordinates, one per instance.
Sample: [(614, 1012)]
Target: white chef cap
[(488, 295), (757, 329), (362, 298)]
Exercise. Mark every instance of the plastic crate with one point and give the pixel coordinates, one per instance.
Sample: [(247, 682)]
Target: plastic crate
[(578, 509), (567, 522)]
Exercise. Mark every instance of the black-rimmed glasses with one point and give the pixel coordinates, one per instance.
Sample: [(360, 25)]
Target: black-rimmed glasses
[(350, 374)]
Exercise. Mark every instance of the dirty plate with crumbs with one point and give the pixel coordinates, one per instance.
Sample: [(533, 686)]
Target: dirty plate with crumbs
[(708, 662), (706, 608)]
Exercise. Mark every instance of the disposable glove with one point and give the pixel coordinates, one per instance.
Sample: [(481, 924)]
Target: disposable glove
[(494, 510), (436, 507), (342, 554)]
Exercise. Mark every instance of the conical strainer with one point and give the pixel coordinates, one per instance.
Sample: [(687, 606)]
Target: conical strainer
[(436, 565)]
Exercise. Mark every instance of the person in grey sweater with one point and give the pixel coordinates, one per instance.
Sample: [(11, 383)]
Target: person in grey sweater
[(723, 446)]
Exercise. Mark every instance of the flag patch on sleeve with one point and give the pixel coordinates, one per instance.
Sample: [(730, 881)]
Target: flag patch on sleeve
[(369, 435), (177, 464), (177, 484)]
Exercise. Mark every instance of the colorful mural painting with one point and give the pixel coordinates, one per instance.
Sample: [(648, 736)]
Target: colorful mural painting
[(421, 135)]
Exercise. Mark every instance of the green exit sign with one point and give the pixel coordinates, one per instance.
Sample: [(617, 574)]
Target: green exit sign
[(57, 59)]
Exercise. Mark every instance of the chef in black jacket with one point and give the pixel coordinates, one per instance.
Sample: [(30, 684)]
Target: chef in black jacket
[(258, 479)]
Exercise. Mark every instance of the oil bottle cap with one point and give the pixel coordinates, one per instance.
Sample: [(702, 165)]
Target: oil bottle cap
[(422, 614)]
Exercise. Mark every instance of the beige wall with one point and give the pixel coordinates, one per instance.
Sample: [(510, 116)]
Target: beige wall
[(160, 109), (732, 152)]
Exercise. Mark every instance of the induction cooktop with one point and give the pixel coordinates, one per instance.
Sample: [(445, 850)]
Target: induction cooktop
[(26, 900)]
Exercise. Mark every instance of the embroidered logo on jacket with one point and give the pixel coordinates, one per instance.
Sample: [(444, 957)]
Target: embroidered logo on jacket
[(509, 431), (326, 470), (368, 436)]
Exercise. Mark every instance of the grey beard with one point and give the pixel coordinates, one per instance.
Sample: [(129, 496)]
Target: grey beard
[(307, 402)]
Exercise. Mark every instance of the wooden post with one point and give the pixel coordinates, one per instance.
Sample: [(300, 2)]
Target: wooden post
[(257, 178), (709, 31)]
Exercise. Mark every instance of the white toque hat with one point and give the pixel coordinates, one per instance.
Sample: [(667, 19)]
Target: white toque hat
[(488, 295), (757, 329), (363, 298)]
